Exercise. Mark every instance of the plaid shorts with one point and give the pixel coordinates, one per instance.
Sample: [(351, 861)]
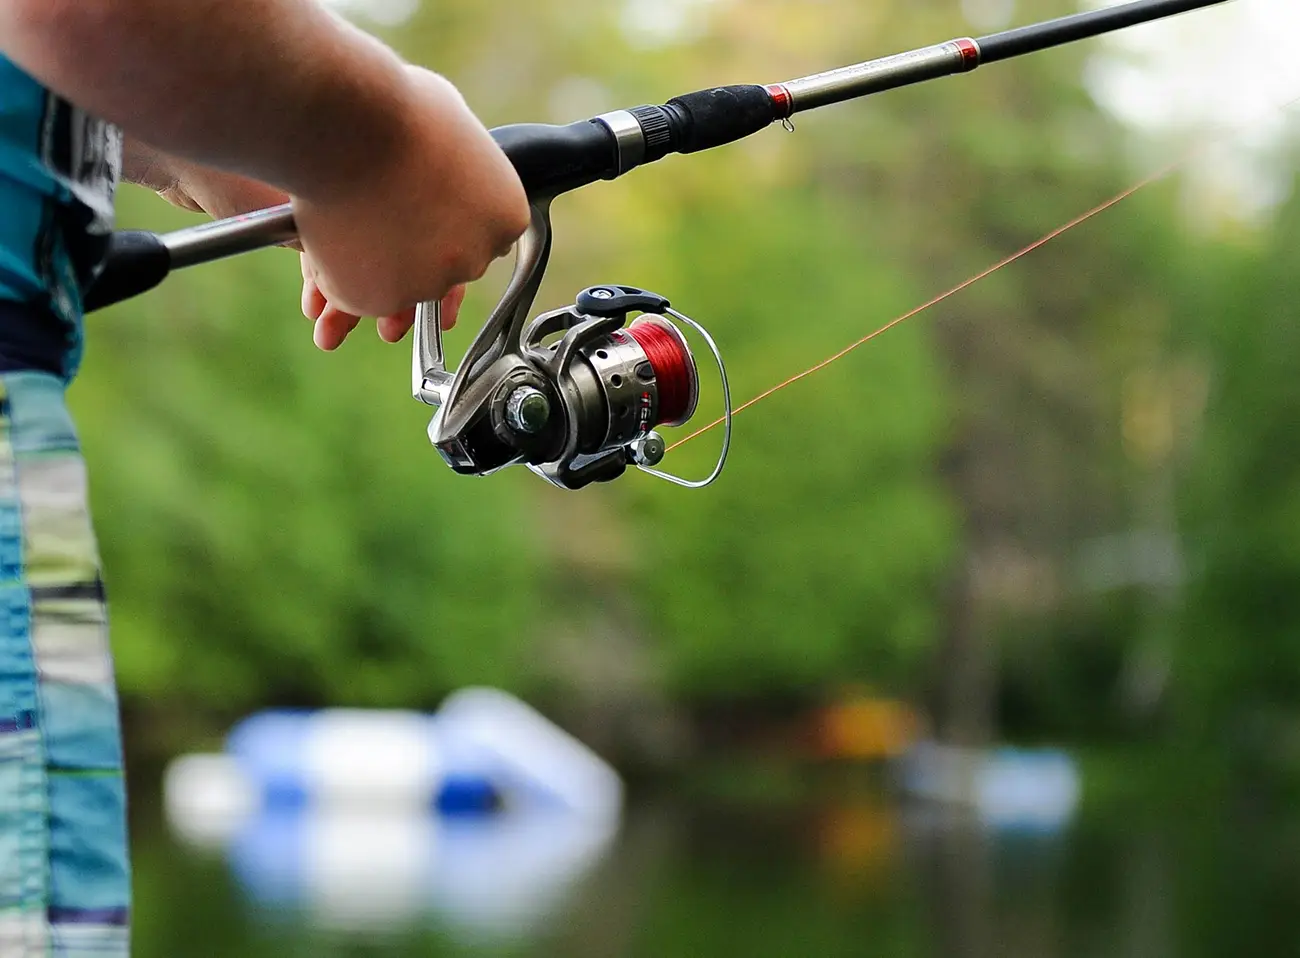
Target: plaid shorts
[(64, 877)]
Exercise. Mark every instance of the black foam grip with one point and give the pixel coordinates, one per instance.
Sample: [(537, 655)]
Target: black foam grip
[(137, 261), (721, 115), (551, 160)]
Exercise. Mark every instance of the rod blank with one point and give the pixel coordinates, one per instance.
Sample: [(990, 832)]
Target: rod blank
[(1080, 26)]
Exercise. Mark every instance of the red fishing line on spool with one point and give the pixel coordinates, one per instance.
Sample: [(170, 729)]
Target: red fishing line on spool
[(674, 369)]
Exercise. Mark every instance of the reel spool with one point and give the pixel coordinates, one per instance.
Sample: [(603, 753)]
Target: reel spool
[(577, 393)]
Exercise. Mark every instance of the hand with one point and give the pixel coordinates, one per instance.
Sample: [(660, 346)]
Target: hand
[(220, 194), (334, 324), (429, 216), (202, 189)]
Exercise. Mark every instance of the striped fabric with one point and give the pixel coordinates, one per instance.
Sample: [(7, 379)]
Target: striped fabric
[(64, 878), (59, 169)]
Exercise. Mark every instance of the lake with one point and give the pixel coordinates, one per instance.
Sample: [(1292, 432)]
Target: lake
[(858, 874)]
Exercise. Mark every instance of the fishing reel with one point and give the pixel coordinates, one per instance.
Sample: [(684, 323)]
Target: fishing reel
[(576, 394)]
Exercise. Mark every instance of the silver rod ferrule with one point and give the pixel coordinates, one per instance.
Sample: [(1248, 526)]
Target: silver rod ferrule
[(886, 73), (628, 136)]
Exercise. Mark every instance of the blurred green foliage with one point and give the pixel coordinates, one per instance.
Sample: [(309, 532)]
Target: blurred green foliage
[(915, 518)]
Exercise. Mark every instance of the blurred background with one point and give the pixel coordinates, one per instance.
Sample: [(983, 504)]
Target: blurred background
[(988, 641)]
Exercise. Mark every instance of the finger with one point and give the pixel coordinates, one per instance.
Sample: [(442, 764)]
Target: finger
[(393, 328), (451, 304), (313, 300), (176, 196), (332, 327)]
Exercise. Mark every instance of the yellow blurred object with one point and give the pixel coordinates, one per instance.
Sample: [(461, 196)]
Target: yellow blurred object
[(865, 728), (858, 842)]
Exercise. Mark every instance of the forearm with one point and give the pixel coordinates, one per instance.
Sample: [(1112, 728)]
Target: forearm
[(278, 90)]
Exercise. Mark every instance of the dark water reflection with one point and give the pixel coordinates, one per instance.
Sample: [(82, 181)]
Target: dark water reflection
[(851, 878)]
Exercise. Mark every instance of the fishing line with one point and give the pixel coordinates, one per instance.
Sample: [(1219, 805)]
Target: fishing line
[(1006, 261)]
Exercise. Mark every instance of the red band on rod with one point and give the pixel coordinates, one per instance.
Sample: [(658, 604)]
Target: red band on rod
[(970, 53), (782, 100)]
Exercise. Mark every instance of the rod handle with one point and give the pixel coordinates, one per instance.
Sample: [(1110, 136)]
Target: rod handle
[(137, 261)]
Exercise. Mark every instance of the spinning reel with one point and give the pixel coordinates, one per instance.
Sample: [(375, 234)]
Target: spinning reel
[(576, 394)]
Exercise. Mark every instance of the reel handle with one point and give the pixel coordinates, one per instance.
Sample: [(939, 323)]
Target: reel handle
[(430, 378)]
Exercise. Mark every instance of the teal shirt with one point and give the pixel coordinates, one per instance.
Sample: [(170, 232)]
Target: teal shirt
[(59, 169)]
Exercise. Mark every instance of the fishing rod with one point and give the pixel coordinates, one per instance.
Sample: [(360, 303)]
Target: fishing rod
[(583, 407)]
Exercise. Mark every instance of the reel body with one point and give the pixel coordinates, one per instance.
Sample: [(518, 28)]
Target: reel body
[(576, 394)]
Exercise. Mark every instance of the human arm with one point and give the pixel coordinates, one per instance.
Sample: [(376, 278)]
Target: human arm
[(399, 192)]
